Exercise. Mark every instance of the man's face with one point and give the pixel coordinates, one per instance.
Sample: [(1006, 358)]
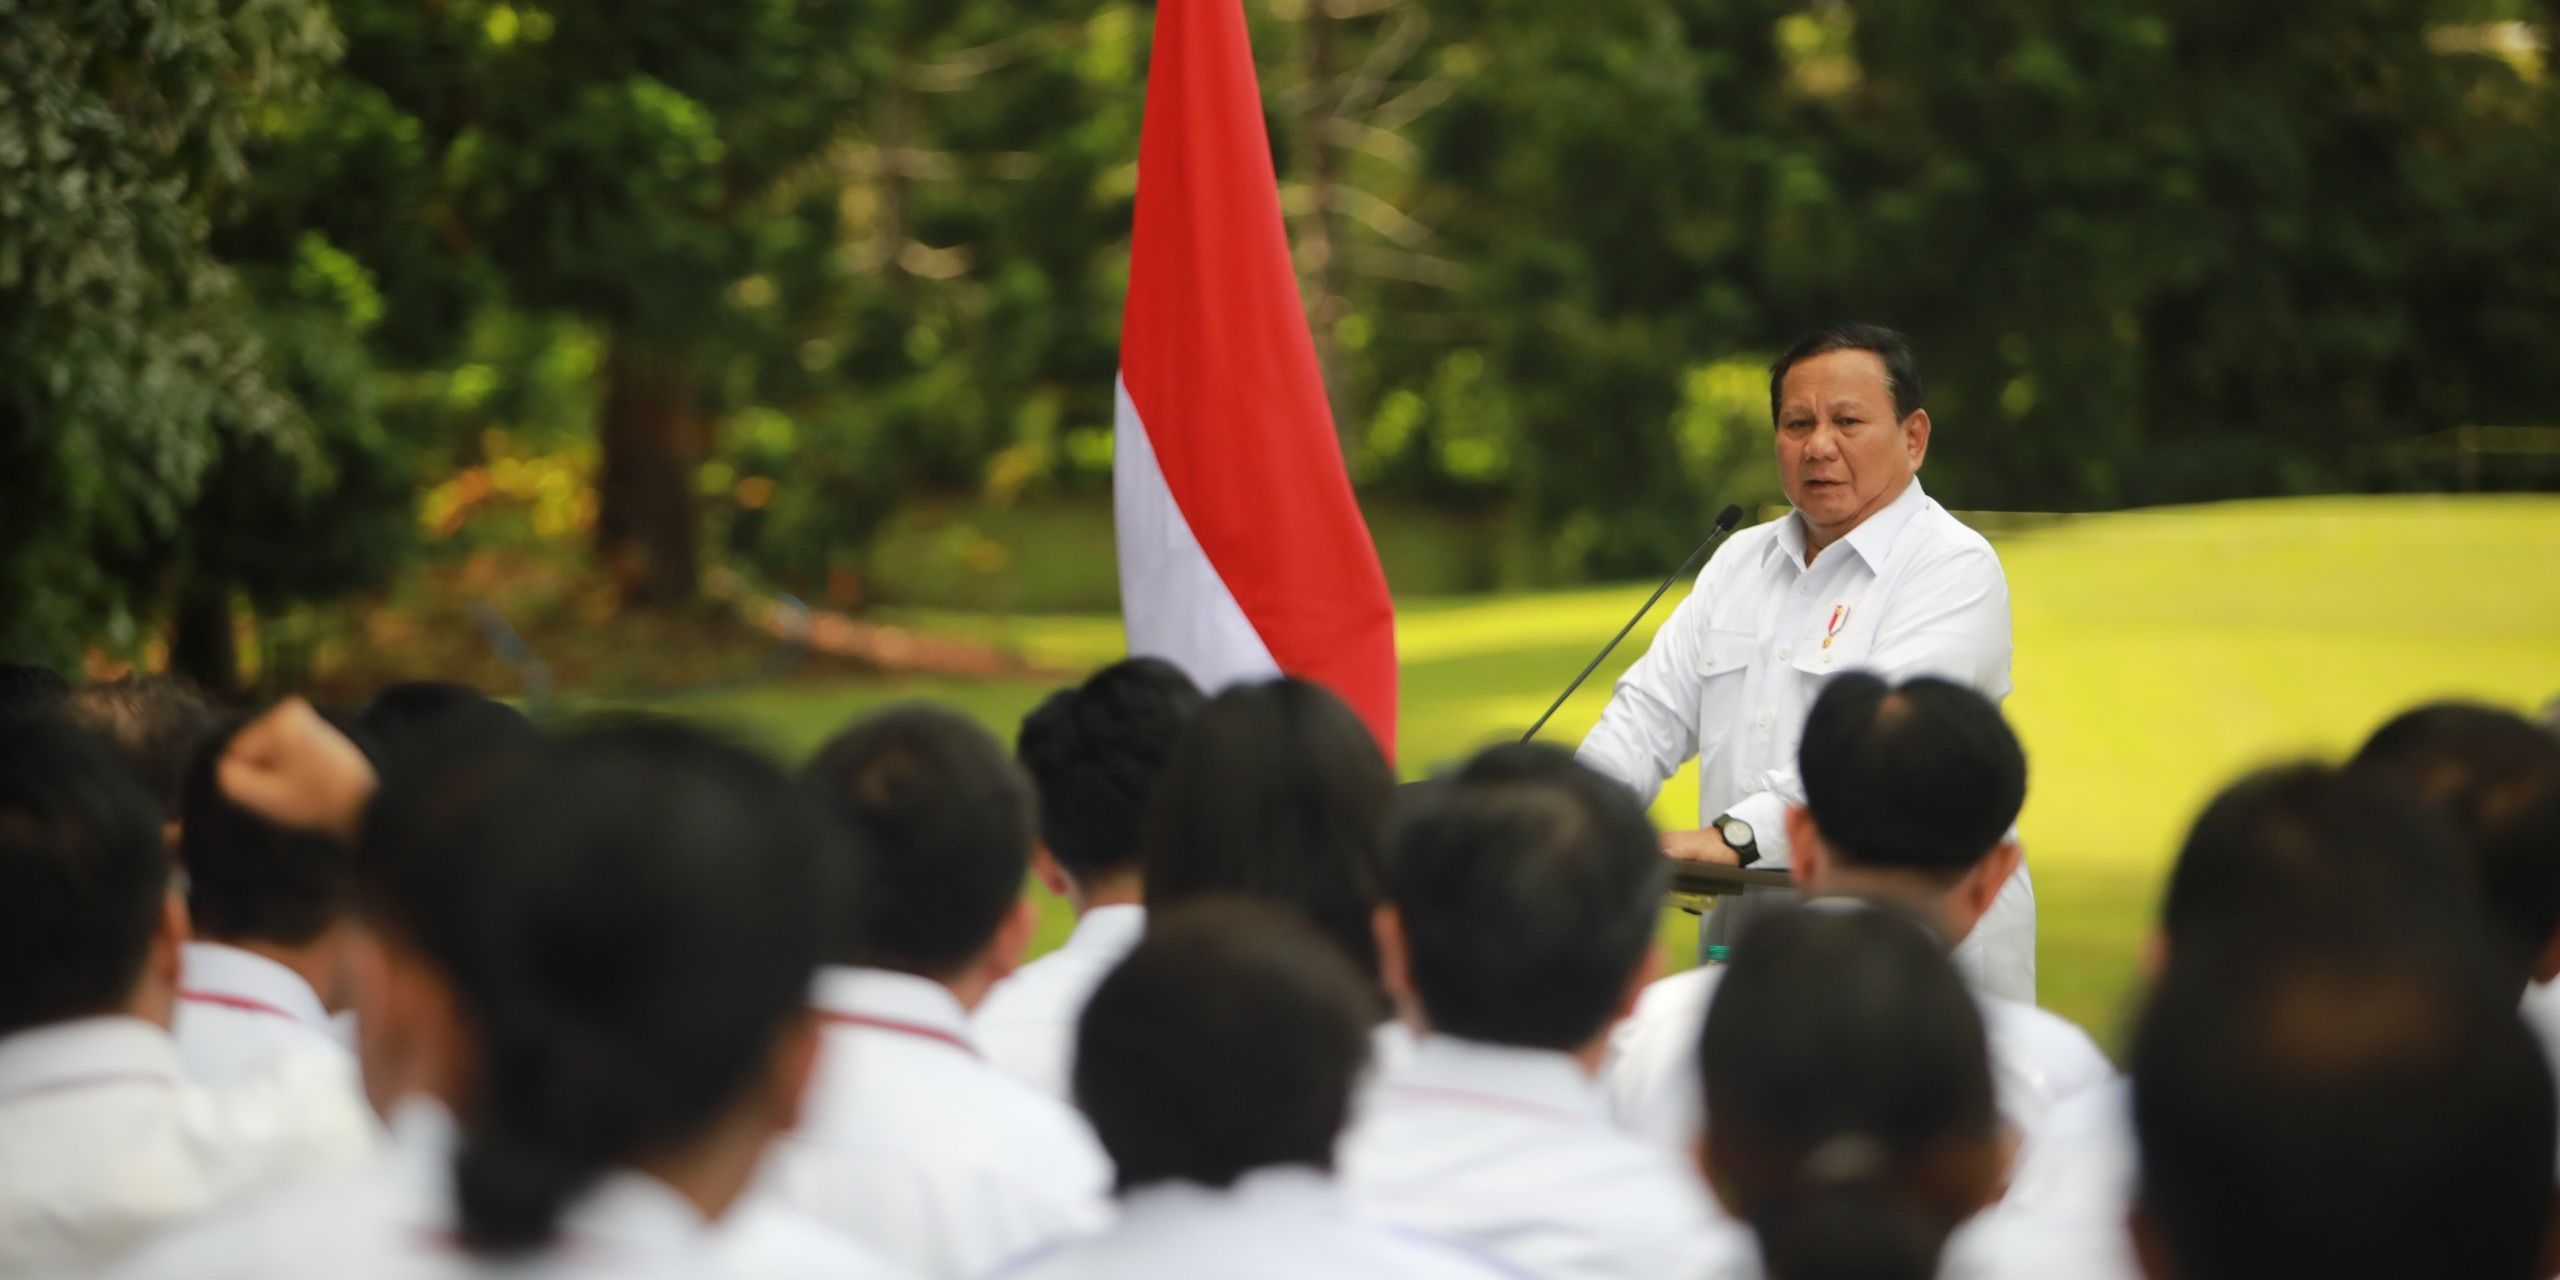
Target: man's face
[(1842, 456)]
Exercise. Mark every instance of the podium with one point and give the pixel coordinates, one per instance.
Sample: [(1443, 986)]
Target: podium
[(1707, 880)]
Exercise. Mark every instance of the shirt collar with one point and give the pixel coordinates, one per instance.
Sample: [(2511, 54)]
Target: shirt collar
[(1292, 1189), (900, 999), (1114, 929), (67, 1055), (1499, 1077), (225, 975), (1872, 539)]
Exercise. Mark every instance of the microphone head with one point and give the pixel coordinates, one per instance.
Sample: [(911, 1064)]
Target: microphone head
[(1729, 517)]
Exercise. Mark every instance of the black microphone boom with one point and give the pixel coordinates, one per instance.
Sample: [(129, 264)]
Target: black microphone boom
[(1725, 521)]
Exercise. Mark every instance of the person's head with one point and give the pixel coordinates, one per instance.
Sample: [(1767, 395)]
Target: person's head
[(88, 925), (2342, 1108), (1851, 432), (1910, 790), (1276, 792), (418, 717), (155, 724), (249, 880), (2495, 777), (1094, 751), (1230, 1040), (27, 689), (630, 929), (941, 827), (1849, 1111), (2307, 842), (1523, 891)]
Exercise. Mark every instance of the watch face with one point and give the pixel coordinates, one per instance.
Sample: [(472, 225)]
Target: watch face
[(1735, 831)]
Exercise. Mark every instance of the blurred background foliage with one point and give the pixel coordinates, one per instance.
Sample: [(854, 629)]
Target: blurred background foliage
[(303, 299)]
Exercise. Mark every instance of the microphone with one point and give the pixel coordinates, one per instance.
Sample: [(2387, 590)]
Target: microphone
[(1725, 521)]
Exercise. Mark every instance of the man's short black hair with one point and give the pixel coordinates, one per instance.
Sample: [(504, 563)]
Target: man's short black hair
[(1901, 370), (1529, 887), (416, 717), (27, 689), (2494, 776), (2341, 1108), (1921, 776), (1230, 1040), (83, 876), (155, 723), (941, 824), (1094, 751), (249, 880)]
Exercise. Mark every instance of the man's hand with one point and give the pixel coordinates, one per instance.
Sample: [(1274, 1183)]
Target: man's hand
[(296, 770), (1700, 846)]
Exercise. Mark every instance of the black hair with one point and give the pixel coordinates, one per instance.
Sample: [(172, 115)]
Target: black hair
[(432, 785), (1529, 887), (941, 825), (2308, 843), (1850, 1116), (630, 926), (2494, 776), (249, 880), (27, 689), (1901, 369), (1095, 751), (1920, 776), (1276, 792), (1230, 1040), (416, 716), (155, 723), (83, 876), (2342, 1108)]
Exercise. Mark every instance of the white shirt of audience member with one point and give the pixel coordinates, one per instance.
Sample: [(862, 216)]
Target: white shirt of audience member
[(395, 1220), (104, 1141), (238, 1010), (1027, 1024), (1511, 1151), (1273, 1224), (913, 1143)]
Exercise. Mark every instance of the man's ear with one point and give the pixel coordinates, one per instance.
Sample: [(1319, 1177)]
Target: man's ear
[(2147, 1246), (1806, 857), (1647, 971), (1052, 876), (1915, 437), (1013, 938), (2155, 954), (1395, 962), (2547, 965), (155, 994), (795, 1061), (1981, 887)]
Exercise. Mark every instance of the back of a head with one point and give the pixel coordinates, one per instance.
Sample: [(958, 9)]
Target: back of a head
[(1850, 1118), (249, 880), (155, 723), (630, 926), (2494, 776), (1923, 776), (82, 876), (1529, 888), (1230, 1040), (422, 718), (27, 689), (1277, 792), (941, 825), (1095, 752), (2338, 1108), (2307, 842)]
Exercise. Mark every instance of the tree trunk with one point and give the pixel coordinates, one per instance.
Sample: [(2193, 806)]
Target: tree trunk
[(1318, 249), (203, 647), (646, 518)]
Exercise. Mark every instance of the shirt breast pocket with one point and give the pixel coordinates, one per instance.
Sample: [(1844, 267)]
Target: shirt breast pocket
[(1724, 666)]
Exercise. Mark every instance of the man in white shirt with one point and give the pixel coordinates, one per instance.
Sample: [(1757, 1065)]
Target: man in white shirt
[(1218, 1064), (1865, 572), (1522, 896), (1093, 753), (911, 1141), (1911, 792), (103, 1141)]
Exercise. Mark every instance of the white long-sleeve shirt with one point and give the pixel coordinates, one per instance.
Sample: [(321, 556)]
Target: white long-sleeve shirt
[(238, 1010), (1027, 1023)]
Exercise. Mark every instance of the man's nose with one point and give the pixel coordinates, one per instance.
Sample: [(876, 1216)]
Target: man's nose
[(1822, 444)]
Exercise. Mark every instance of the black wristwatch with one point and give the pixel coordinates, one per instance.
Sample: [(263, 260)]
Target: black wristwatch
[(1737, 836)]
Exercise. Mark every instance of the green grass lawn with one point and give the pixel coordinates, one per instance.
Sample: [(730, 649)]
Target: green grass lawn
[(2158, 652)]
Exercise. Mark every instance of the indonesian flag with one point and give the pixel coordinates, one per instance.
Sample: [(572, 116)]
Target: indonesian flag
[(1242, 550)]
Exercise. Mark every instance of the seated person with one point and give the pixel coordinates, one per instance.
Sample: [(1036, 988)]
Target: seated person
[(1847, 1088), (913, 1142), (584, 986), (1217, 1063), (1094, 753), (1522, 897), (103, 1141), (1911, 791)]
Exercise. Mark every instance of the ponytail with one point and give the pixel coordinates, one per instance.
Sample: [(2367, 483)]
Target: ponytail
[(1847, 1222), (561, 1108)]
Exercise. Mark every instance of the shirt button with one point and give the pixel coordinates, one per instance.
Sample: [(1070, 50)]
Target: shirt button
[(1764, 719), (1786, 651)]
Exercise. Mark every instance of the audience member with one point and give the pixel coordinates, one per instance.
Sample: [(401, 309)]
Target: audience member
[(1094, 753), (2494, 777), (1847, 1087), (425, 718), (913, 1142), (155, 723), (1911, 790), (1523, 895), (2335, 1106), (1218, 1063), (102, 1140), (27, 689)]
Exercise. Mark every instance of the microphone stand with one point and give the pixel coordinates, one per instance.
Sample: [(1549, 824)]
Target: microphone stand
[(1725, 521)]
